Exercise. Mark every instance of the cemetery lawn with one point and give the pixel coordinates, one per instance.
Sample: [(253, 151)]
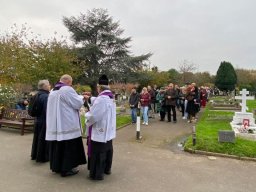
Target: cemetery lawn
[(122, 120), (251, 104), (207, 129)]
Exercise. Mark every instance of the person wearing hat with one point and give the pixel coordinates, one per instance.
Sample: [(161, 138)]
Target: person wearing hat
[(66, 150), (101, 121)]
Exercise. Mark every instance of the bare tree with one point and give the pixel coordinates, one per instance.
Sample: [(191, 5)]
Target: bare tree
[(185, 68)]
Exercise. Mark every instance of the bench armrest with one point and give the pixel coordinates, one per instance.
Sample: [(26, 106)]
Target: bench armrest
[(23, 119), (27, 118)]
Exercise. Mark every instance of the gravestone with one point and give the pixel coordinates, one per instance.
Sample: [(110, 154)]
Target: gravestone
[(226, 136), (243, 122), (227, 104), (244, 97)]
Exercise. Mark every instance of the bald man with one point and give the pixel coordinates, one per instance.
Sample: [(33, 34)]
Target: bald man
[(64, 129)]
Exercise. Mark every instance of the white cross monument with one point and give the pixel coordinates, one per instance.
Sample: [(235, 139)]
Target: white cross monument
[(243, 121), (244, 92)]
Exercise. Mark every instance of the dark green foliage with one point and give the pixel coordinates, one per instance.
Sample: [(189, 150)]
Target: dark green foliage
[(144, 79), (226, 77), (253, 86), (101, 49), (174, 76)]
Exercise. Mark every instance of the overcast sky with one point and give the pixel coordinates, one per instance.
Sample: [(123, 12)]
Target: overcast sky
[(203, 32)]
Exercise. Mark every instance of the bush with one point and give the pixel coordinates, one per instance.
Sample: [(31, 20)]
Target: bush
[(82, 88), (7, 96)]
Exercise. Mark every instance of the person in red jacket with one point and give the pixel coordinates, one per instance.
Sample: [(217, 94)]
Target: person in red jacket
[(203, 96), (145, 101)]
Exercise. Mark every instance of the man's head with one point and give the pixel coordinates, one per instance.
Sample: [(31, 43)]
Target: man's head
[(103, 83), (134, 90), (25, 102), (162, 89), (44, 84), (67, 79), (170, 86)]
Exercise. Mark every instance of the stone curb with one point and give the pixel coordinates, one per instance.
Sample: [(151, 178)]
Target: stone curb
[(123, 126), (199, 152)]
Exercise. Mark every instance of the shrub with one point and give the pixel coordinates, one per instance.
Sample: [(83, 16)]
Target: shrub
[(7, 96)]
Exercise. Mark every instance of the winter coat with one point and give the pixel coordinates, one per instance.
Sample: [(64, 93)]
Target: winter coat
[(146, 99), (134, 100), (174, 96)]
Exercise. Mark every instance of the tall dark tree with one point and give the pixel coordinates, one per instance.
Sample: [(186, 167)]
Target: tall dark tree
[(174, 76), (226, 77), (101, 49)]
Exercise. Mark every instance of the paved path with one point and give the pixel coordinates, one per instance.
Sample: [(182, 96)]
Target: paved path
[(154, 165)]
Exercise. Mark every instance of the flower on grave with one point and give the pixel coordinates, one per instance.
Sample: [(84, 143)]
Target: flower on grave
[(243, 129)]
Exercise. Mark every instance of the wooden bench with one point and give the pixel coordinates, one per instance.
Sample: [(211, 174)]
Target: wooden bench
[(18, 119)]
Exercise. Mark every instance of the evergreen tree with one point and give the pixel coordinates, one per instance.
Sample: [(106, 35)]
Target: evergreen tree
[(101, 49), (226, 77)]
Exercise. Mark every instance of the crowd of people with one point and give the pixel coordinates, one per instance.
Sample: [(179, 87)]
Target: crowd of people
[(187, 99)]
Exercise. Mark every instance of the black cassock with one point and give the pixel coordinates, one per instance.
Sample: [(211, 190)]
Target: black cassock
[(66, 155), (100, 160), (40, 148)]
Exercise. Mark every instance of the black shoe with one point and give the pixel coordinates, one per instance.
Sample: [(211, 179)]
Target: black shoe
[(96, 178), (69, 173), (108, 172), (174, 121), (161, 120)]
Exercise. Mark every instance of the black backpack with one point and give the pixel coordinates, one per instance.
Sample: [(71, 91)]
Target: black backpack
[(34, 108)]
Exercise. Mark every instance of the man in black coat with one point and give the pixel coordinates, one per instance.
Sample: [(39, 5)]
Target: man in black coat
[(170, 102), (133, 102)]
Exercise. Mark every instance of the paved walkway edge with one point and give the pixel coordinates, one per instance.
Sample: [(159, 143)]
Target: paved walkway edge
[(199, 152), (123, 126)]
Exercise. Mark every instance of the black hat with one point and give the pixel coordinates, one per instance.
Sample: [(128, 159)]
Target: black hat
[(103, 80)]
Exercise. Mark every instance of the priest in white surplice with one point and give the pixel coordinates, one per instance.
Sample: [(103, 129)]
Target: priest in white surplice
[(64, 129), (101, 122)]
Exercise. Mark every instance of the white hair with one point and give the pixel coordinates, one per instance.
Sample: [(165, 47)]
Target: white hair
[(43, 84)]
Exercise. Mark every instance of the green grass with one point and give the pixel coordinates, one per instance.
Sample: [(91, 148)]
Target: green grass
[(121, 120), (251, 104), (207, 135)]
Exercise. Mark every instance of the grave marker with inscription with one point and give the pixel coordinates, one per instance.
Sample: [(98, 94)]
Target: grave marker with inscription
[(226, 136)]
